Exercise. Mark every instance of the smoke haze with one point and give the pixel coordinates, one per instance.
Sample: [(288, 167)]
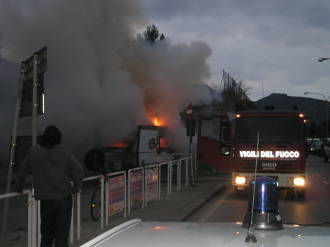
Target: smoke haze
[(103, 79)]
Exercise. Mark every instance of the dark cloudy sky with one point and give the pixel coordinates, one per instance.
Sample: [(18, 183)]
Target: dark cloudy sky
[(107, 86), (274, 43)]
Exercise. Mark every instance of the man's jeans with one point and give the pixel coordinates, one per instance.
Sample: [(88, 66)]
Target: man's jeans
[(55, 221)]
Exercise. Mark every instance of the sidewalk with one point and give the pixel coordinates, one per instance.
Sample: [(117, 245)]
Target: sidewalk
[(176, 207)]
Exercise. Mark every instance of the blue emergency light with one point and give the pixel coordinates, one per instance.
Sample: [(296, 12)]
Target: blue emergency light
[(263, 213), (265, 195)]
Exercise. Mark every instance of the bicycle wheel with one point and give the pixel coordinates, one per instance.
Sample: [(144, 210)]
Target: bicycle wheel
[(95, 204)]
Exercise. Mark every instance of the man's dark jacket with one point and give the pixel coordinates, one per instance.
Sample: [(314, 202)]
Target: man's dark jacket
[(55, 172)]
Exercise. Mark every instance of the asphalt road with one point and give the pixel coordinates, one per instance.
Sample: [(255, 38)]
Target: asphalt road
[(314, 209)]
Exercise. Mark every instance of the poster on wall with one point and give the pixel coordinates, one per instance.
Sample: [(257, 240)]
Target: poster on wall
[(136, 184), (116, 195), (152, 184)]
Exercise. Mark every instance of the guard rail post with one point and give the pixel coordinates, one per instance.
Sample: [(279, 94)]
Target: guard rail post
[(106, 201), (192, 170), (78, 195), (195, 162), (102, 201), (129, 192), (178, 175), (71, 236), (125, 196), (168, 178), (34, 220), (186, 172), (29, 219), (171, 176), (143, 187)]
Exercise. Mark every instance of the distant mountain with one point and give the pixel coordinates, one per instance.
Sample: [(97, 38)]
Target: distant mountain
[(313, 108)]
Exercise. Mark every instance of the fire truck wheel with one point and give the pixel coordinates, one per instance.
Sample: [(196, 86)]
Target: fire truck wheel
[(289, 193), (300, 194), (241, 192)]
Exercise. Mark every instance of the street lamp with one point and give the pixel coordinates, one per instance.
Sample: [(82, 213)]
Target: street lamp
[(321, 59), (326, 102)]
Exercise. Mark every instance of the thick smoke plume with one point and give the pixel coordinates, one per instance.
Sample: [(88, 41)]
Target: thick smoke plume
[(103, 79)]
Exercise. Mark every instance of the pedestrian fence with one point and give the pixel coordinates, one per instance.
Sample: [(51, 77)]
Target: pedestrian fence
[(120, 193), (32, 217)]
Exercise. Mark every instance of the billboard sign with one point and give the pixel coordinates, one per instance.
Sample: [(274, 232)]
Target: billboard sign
[(136, 188), (116, 195), (152, 184)]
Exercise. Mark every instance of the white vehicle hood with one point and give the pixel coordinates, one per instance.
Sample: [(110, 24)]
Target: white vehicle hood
[(136, 233)]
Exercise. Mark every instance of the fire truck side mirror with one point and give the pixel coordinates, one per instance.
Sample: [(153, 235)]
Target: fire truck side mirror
[(225, 149), (225, 138)]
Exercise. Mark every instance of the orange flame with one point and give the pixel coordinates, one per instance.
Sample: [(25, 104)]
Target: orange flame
[(120, 144), (153, 116), (163, 142), (157, 121)]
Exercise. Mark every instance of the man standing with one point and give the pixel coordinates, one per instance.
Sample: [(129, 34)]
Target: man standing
[(56, 173)]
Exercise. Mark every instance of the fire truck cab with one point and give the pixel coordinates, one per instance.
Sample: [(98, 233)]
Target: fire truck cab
[(229, 144), (281, 153)]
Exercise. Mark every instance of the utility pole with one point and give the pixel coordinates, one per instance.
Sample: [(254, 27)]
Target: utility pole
[(190, 120), (29, 103)]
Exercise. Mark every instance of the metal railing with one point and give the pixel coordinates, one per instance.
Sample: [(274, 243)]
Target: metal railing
[(168, 185), (77, 198), (150, 176), (32, 226)]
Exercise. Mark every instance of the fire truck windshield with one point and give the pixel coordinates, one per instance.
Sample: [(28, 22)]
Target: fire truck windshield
[(287, 130)]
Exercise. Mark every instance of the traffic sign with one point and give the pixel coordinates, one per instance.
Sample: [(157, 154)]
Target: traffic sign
[(189, 111), (26, 108), (27, 89), (42, 64)]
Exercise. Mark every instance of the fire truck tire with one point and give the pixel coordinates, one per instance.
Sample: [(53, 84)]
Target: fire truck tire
[(290, 193), (300, 194), (240, 192)]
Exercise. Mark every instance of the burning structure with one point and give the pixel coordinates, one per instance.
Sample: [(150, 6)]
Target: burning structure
[(147, 146)]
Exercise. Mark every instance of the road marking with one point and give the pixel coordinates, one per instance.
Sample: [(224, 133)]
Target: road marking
[(210, 209)]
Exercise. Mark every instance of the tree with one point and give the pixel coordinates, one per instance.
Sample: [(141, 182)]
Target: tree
[(162, 37), (151, 35)]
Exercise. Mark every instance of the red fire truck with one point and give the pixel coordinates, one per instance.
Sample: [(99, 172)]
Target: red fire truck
[(229, 144)]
